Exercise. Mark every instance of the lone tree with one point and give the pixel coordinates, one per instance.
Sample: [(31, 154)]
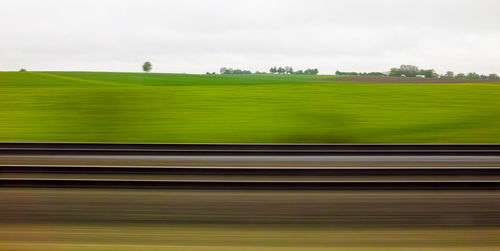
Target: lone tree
[(146, 67)]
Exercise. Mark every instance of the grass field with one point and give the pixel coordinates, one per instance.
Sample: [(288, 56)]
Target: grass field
[(138, 107)]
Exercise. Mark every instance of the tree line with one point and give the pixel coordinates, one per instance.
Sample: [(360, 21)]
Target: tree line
[(272, 70), (403, 70), (289, 70), (225, 70), (340, 73), (412, 71), (470, 75)]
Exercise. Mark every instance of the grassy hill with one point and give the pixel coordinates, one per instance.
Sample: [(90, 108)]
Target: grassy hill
[(140, 107)]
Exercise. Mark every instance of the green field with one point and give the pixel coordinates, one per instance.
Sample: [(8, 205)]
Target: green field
[(140, 107)]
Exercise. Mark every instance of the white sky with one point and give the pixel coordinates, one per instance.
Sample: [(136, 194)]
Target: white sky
[(199, 36)]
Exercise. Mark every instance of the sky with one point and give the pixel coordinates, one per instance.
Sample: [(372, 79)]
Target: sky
[(188, 36)]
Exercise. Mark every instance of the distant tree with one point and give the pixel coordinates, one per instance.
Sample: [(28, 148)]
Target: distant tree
[(273, 70), (449, 74), (493, 76), (460, 76), (22, 70), (412, 71), (146, 67), (427, 73), (340, 73), (224, 70), (311, 71), (409, 68), (395, 72), (281, 70), (238, 71), (299, 72), (289, 70), (473, 75), (375, 74)]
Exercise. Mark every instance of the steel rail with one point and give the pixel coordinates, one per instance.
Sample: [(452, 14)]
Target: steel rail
[(255, 171), (247, 149), (249, 185)]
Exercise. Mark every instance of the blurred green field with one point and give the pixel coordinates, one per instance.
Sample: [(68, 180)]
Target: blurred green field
[(148, 107)]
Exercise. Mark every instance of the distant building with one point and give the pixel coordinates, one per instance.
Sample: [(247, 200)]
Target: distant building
[(420, 76)]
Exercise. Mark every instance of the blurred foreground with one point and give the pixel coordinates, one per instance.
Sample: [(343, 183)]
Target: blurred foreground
[(427, 197), (88, 219)]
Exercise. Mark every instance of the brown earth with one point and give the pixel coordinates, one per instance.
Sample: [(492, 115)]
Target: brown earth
[(410, 80)]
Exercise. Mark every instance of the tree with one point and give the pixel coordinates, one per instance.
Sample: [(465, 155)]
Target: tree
[(340, 73), (460, 76), (473, 75), (146, 67), (281, 70), (311, 71), (409, 70), (427, 73), (273, 70), (395, 72), (493, 76), (22, 70), (449, 74), (374, 74), (289, 70), (225, 70), (412, 71)]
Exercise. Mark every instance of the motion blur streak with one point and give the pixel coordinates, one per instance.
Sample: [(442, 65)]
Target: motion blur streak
[(58, 197), (255, 220)]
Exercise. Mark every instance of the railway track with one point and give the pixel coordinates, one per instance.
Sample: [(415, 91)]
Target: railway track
[(246, 149), (252, 178)]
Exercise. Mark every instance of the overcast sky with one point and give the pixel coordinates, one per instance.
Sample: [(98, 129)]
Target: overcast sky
[(200, 36)]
